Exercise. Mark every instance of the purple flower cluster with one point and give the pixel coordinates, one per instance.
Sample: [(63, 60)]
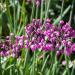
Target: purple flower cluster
[(39, 36), (49, 37), (7, 47)]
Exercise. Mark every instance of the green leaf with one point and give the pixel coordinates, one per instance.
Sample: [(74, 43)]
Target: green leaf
[(63, 14)]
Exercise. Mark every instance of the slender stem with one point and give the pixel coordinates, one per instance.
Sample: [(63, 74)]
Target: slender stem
[(73, 68), (34, 63), (11, 28), (44, 64), (14, 18), (67, 62), (71, 12), (0, 23), (44, 56), (25, 61), (0, 63), (54, 64), (33, 7), (47, 5), (62, 7), (64, 13), (41, 15), (10, 71), (36, 12)]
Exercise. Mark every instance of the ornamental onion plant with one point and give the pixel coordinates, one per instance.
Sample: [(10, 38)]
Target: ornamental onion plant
[(37, 37)]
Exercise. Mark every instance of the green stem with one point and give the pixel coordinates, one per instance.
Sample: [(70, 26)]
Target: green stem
[(36, 12), (41, 15), (71, 12), (14, 18), (63, 14), (25, 61), (73, 68), (9, 16), (10, 71), (67, 62), (54, 64), (44, 64), (47, 5), (34, 63), (62, 7), (33, 8)]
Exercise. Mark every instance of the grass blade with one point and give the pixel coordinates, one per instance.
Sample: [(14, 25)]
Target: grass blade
[(64, 13)]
